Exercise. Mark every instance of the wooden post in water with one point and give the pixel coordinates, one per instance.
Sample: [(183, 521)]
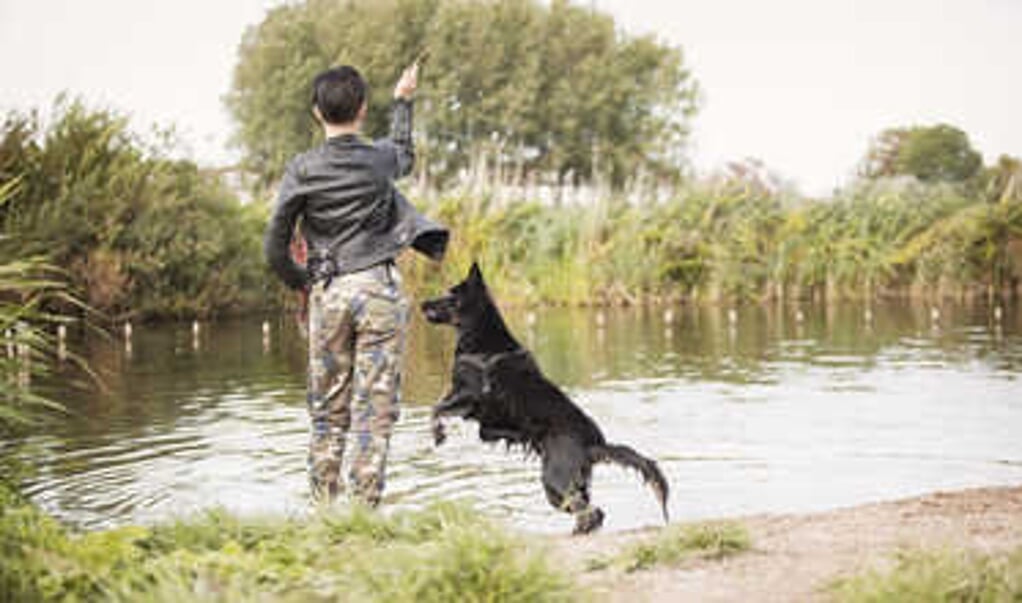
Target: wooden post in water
[(62, 342), (732, 325), (129, 333), (934, 319)]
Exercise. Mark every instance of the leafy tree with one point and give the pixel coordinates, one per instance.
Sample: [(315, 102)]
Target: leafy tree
[(930, 153), (512, 86), (137, 233)]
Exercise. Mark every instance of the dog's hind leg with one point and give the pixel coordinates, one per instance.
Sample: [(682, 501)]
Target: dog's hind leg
[(566, 475)]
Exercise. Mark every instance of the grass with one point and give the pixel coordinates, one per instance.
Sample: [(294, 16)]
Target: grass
[(443, 553), (712, 540), (957, 576)]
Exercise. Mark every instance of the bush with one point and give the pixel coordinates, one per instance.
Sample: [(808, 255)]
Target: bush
[(442, 553)]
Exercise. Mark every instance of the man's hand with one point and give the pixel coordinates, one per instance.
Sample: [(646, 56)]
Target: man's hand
[(408, 83)]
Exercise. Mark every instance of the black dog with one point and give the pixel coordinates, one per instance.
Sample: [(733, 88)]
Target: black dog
[(497, 383)]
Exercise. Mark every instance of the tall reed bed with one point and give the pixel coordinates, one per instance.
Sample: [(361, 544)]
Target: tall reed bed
[(727, 241)]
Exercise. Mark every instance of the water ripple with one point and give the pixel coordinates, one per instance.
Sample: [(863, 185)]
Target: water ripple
[(762, 419)]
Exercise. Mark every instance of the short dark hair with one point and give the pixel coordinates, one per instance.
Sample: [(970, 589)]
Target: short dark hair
[(339, 93)]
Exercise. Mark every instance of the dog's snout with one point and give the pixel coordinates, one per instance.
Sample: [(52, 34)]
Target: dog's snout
[(436, 311)]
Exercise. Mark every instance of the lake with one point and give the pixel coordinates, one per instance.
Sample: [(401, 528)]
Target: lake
[(774, 409)]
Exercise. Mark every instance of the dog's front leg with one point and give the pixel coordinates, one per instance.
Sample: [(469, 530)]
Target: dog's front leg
[(455, 404)]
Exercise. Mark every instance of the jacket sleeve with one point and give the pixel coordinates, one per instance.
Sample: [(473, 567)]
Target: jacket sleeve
[(398, 149), (276, 244)]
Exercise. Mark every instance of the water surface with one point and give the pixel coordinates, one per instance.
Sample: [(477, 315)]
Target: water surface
[(766, 413)]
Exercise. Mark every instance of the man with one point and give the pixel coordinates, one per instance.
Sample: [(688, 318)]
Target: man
[(355, 223)]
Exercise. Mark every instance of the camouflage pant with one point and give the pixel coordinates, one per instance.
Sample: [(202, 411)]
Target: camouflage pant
[(356, 338)]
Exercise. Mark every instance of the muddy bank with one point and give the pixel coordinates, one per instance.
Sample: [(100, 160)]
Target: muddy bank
[(795, 557)]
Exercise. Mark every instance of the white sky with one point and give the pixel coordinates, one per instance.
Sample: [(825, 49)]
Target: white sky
[(800, 84)]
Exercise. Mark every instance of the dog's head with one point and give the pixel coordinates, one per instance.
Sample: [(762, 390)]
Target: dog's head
[(462, 302)]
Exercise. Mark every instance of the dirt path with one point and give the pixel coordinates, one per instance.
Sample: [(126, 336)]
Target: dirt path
[(794, 556)]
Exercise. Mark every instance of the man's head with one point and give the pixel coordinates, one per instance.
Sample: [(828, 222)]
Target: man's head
[(339, 96)]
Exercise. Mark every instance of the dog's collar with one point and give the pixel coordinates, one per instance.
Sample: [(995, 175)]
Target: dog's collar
[(486, 363)]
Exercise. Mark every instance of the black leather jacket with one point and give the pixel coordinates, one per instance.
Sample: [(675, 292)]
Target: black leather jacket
[(352, 216)]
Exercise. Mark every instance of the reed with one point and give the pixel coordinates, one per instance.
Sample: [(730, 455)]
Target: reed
[(725, 242)]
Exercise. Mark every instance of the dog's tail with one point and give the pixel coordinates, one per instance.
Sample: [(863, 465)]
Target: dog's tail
[(647, 468)]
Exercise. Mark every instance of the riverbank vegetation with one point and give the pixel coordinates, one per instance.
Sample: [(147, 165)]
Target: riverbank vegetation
[(733, 239), (136, 233), (938, 576), (140, 235), (710, 540), (29, 285), (442, 553)]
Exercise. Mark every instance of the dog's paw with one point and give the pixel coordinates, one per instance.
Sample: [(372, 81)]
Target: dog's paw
[(439, 433), (588, 521)]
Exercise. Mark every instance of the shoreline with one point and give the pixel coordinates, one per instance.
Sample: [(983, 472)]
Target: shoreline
[(996, 304), (797, 556)]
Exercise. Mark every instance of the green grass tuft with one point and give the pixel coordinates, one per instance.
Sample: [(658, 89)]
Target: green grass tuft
[(938, 576), (445, 552), (714, 540)]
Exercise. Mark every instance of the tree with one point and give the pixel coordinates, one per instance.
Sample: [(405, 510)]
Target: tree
[(930, 153), (137, 233), (517, 86)]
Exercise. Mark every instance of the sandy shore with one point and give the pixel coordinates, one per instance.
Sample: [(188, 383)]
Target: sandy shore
[(794, 557)]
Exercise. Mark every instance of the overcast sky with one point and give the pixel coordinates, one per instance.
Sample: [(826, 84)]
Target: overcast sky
[(799, 84)]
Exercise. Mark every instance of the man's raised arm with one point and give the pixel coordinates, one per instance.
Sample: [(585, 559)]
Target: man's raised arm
[(399, 145)]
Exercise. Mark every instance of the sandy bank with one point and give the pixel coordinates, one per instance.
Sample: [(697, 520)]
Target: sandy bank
[(794, 556)]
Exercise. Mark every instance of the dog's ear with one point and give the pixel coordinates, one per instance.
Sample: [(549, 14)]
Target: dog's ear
[(475, 274)]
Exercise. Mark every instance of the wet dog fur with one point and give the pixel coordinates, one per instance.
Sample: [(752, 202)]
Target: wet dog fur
[(497, 383)]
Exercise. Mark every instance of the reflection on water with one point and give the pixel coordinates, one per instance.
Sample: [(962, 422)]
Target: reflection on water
[(767, 410)]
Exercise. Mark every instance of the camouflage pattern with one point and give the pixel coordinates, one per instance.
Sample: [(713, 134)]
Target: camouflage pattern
[(356, 339)]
